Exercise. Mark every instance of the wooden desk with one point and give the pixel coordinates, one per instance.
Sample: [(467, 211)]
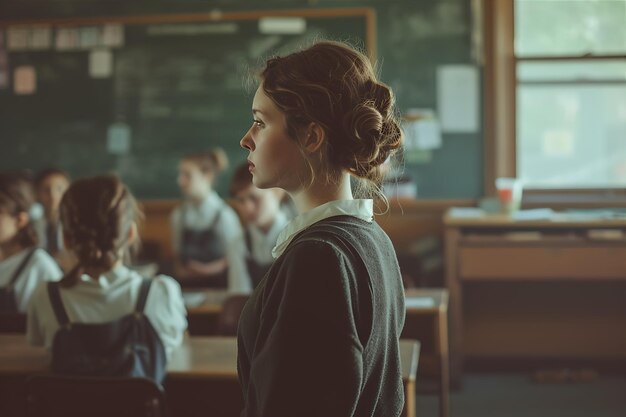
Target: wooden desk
[(201, 378), (531, 291), (427, 321)]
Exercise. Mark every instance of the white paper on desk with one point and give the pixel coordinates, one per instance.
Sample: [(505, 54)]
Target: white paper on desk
[(194, 299), (457, 98), (419, 302), (24, 80), (533, 214), (466, 212), (100, 63)]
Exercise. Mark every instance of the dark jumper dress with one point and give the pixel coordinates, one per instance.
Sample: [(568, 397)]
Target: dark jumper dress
[(320, 335)]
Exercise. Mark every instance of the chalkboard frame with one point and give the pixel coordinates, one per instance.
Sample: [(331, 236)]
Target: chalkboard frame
[(368, 13)]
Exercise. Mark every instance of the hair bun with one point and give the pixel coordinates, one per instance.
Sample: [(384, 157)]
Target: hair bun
[(381, 95), (374, 131)]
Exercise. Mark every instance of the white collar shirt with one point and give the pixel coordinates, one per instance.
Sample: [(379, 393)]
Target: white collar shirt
[(359, 208)]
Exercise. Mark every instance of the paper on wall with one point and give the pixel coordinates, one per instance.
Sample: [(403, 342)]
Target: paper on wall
[(67, 39), (100, 63), (40, 38), (458, 98), (17, 39), (118, 138), (113, 35), (421, 129), (24, 80), (89, 37)]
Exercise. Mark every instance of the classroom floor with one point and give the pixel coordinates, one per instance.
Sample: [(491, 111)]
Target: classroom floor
[(516, 395)]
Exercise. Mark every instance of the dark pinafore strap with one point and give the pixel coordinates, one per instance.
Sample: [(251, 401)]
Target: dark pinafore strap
[(19, 269), (57, 304), (143, 295)]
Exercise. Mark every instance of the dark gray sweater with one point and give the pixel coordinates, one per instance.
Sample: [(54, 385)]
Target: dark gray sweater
[(319, 335)]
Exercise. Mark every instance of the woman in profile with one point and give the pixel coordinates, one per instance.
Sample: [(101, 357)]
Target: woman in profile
[(319, 335)]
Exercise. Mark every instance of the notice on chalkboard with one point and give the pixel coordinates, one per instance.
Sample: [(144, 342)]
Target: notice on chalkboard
[(24, 80), (17, 39), (118, 138), (100, 63)]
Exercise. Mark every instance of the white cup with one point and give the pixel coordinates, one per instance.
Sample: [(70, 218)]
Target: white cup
[(509, 194)]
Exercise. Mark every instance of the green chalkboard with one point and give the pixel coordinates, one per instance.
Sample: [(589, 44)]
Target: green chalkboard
[(180, 93), (177, 87)]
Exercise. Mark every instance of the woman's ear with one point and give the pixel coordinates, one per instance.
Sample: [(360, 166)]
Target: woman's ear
[(314, 138)]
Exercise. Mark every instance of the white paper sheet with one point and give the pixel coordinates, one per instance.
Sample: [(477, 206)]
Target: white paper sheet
[(458, 98), (100, 63), (24, 80)]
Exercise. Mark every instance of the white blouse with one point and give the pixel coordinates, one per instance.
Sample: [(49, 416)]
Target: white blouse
[(40, 267), (261, 251), (110, 297), (360, 208)]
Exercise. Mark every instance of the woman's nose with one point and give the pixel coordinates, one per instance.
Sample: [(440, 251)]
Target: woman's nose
[(246, 142)]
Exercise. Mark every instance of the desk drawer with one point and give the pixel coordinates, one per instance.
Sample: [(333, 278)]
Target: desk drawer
[(547, 262)]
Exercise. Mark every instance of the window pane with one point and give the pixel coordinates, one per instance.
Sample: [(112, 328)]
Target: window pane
[(570, 27), (571, 136), (572, 70)]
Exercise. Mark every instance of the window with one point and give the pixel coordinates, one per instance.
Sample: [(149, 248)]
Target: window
[(565, 64)]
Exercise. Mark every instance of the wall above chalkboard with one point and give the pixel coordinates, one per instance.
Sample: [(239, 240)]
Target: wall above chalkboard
[(133, 94)]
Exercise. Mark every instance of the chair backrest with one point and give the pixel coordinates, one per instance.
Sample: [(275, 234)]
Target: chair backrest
[(229, 316), (12, 323), (66, 396)]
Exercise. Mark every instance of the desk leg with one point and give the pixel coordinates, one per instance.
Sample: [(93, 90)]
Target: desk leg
[(453, 283), (409, 400), (444, 388)]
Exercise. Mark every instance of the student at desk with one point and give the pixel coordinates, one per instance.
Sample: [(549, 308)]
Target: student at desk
[(99, 218), (50, 184), (262, 219), (204, 226), (22, 264), (319, 336)]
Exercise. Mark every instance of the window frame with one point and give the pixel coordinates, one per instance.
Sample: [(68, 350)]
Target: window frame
[(500, 93)]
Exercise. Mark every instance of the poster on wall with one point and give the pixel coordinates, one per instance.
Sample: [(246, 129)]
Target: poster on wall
[(24, 80), (458, 98)]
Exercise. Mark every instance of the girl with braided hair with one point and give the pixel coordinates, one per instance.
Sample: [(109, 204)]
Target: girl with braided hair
[(99, 217), (329, 312), (22, 265)]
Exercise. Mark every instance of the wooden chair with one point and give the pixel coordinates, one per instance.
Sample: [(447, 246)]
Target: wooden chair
[(68, 396), (12, 323), (228, 318)]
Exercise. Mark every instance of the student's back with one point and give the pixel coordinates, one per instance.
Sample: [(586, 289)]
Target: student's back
[(110, 297), (90, 302)]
